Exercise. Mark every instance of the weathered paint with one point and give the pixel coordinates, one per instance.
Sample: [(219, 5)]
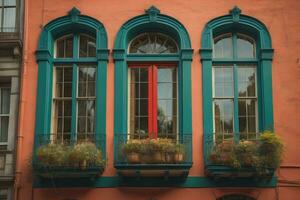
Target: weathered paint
[(283, 22)]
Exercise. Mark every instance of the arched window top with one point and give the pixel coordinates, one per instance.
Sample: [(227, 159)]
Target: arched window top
[(224, 45), (64, 46), (153, 43)]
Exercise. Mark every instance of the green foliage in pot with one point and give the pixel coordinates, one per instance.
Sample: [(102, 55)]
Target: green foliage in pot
[(270, 150), (160, 150), (51, 155), (262, 155), (80, 155), (132, 146), (85, 154)]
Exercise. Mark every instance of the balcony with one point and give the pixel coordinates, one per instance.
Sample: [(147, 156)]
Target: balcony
[(69, 157), (153, 157), (256, 159)]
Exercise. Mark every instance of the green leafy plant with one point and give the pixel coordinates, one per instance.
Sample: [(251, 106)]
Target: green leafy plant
[(160, 150), (270, 150), (85, 154), (80, 155), (262, 155), (52, 155)]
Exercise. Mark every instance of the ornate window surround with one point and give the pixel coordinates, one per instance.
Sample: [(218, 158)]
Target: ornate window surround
[(74, 22), (252, 27), (152, 21)]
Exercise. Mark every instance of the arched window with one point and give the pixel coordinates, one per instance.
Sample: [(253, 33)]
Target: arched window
[(236, 57), (75, 85), (152, 84), (152, 89), (71, 102), (234, 86)]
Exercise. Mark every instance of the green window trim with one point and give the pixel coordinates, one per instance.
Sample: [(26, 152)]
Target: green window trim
[(233, 22), (73, 23), (152, 21)]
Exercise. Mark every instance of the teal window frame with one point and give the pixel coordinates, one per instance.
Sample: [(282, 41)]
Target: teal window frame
[(234, 62), (152, 21), (236, 22), (74, 23)]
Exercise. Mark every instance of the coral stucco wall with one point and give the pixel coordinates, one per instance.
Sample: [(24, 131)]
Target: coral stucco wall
[(281, 17)]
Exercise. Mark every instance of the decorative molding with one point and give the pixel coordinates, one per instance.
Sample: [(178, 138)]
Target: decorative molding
[(254, 27), (235, 13), (119, 54), (266, 54), (43, 55), (186, 54), (74, 13), (206, 54), (102, 54), (152, 12)]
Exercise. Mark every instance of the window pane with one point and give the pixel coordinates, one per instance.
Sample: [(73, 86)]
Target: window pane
[(69, 47), (245, 47), (87, 46), (86, 84), (81, 125), (247, 81), (247, 116), (165, 90), (60, 48), (143, 90), (223, 46), (4, 129), (143, 107), (166, 75), (5, 100), (223, 113), (223, 81), (64, 47), (83, 50), (9, 19), (153, 43), (9, 2), (81, 108)]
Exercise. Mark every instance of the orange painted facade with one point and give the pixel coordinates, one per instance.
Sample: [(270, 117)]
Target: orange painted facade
[(282, 19)]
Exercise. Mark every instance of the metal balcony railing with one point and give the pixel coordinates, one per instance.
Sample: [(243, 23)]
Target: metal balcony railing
[(69, 155)]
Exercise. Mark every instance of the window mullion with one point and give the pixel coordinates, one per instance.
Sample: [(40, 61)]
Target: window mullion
[(74, 103), (150, 101), (154, 101), (236, 105)]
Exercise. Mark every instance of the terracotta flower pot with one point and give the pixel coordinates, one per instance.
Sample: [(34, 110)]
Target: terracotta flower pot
[(146, 158), (178, 158), (169, 158), (158, 157), (133, 157)]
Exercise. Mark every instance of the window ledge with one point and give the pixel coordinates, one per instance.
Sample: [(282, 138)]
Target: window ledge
[(223, 172), (68, 172), (153, 170)]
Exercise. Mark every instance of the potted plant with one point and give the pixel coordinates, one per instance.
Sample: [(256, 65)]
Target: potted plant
[(85, 154), (168, 150), (262, 156), (132, 150), (51, 155), (179, 153)]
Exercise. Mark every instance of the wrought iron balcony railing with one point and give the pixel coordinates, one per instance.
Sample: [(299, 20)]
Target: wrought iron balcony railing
[(69, 155)]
